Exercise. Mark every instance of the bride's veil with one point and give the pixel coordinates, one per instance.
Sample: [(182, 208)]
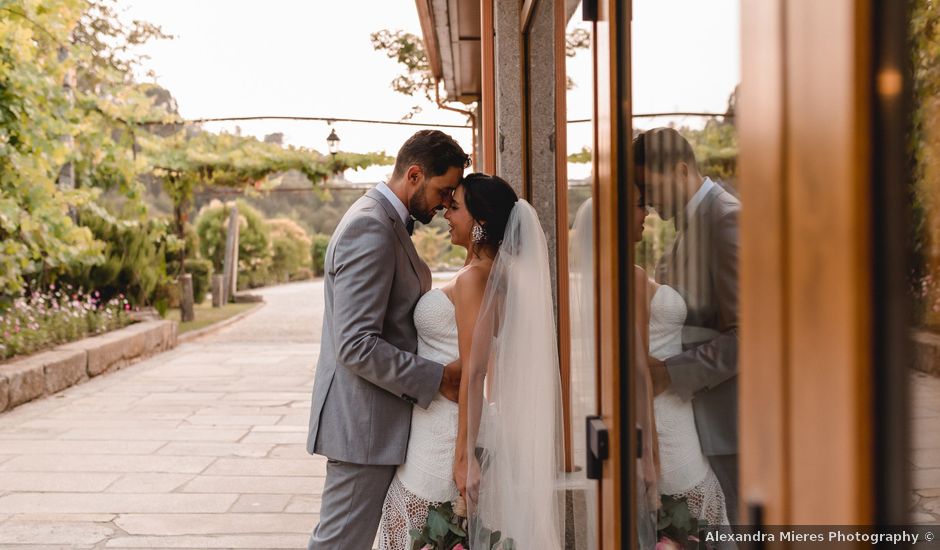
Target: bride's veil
[(514, 398)]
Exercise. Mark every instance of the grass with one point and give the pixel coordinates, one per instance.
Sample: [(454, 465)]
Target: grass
[(206, 315)]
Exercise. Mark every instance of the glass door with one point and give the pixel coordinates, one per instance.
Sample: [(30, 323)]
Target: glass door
[(681, 201)]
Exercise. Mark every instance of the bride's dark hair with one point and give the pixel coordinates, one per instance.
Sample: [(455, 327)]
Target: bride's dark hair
[(490, 200)]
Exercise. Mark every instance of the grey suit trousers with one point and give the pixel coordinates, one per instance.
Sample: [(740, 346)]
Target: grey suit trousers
[(351, 507)]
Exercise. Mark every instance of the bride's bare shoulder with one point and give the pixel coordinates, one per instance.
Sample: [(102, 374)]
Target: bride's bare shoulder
[(472, 276), (471, 281)]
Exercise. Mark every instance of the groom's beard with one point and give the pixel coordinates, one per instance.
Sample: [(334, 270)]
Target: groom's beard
[(418, 206)]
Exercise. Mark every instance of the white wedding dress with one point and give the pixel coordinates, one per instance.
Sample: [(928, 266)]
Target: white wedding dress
[(427, 476), (684, 469)]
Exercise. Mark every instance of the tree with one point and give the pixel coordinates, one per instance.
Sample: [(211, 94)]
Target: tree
[(37, 234), (408, 50), (186, 160), (66, 98)]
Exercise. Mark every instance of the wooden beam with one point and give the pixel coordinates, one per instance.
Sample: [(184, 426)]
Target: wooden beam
[(431, 47)]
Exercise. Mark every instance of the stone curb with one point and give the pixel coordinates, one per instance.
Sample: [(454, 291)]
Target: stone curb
[(52, 371), (926, 351), (205, 331)]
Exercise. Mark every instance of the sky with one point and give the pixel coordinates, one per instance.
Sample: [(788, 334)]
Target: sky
[(315, 58)]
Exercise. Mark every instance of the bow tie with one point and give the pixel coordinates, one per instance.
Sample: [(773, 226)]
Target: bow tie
[(410, 225)]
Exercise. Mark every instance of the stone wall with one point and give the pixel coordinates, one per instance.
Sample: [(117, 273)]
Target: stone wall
[(46, 373)]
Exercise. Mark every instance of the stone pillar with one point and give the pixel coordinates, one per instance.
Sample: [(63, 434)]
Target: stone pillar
[(541, 125), (218, 290), (186, 298), (230, 267), (508, 53)]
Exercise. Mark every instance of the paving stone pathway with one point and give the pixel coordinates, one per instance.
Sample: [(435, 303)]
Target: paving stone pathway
[(925, 455), (200, 447)]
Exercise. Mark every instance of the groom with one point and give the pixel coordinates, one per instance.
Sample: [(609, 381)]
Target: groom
[(703, 267), (368, 376)]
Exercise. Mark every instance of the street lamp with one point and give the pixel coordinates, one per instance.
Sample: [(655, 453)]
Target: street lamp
[(333, 141)]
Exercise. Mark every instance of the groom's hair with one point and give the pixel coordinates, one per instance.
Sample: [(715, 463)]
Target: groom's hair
[(434, 151), (659, 150)]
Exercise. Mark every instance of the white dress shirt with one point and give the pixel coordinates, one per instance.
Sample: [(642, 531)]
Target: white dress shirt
[(383, 188), (698, 197)]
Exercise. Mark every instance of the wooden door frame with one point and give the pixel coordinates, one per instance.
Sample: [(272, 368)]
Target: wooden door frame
[(617, 523), (821, 151)]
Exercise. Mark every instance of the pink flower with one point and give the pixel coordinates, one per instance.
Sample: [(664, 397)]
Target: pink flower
[(458, 547), (666, 543)]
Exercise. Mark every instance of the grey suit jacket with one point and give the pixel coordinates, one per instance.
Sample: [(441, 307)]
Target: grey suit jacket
[(368, 376), (703, 268)]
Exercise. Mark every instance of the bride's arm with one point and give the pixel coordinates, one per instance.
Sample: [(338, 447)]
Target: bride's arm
[(468, 297)]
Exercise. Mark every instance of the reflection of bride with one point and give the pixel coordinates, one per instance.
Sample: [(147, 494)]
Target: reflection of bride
[(684, 471)]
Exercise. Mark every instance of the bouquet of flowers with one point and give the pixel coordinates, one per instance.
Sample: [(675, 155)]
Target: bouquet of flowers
[(443, 530), (446, 529), (676, 527)]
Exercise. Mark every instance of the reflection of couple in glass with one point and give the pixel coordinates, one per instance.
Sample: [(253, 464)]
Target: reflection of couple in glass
[(689, 308)]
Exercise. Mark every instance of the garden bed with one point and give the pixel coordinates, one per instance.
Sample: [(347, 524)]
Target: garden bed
[(48, 372)]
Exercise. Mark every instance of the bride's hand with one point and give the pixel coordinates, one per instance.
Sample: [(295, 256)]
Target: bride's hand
[(450, 381), (472, 492), (460, 475)]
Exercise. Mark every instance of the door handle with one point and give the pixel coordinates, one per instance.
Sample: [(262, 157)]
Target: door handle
[(598, 446)]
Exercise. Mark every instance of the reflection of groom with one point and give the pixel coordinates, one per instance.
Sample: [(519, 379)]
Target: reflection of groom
[(368, 376), (703, 267)]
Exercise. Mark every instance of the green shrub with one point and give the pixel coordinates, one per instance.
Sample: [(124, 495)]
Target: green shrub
[(318, 252), (254, 242), (291, 248), (134, 257), (188, 246), (302, 274)]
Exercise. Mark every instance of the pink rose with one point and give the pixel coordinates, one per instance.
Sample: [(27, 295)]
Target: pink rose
[(458, 547), (667, 543)]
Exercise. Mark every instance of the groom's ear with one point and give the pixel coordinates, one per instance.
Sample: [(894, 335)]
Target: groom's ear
[(413, 174), (682, 171)]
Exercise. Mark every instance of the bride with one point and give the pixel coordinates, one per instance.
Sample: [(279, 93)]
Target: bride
[(500, 447)]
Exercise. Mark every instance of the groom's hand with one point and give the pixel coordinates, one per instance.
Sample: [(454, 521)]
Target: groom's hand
[(450, 382), (660, 375)]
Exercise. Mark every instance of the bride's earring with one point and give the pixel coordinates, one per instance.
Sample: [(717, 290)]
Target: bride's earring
[(477, 234)]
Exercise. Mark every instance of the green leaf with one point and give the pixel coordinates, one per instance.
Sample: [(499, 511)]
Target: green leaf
[(437, 524), (457, 530)]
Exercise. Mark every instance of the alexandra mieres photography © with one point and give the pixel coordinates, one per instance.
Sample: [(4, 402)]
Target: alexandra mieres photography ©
[(469, 274)]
